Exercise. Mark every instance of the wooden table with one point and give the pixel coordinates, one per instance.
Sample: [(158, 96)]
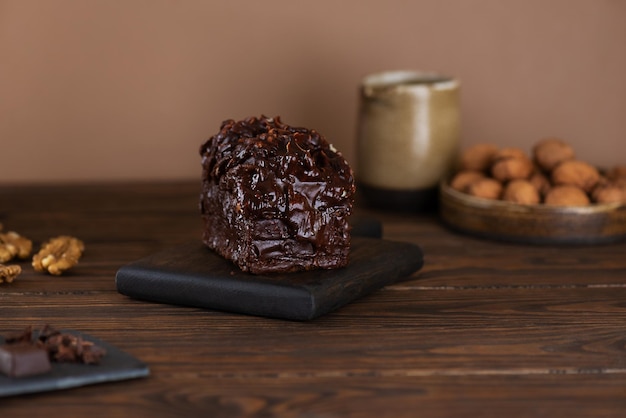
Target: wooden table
[(485, 329)]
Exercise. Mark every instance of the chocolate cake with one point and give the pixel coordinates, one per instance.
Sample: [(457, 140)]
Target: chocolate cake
[(275, 198)]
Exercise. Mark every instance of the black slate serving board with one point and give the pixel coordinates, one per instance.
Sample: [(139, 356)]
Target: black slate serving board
[(115, 365), (193, 275)]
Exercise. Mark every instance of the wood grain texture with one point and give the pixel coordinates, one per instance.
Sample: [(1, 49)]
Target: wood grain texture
[(484, 329)]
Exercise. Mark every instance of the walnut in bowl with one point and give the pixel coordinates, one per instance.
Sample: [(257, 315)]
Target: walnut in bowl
[(543, 199)]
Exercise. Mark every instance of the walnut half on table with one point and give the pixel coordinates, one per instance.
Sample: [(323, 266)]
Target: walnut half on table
[(14, 245), (9, 273), (58, 255)]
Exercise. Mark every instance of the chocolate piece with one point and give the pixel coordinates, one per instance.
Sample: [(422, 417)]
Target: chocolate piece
[(67, 348), (59, 347), (23, 359), (275, 198)]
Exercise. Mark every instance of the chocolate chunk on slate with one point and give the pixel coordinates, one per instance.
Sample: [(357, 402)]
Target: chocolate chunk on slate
[(20, 360)]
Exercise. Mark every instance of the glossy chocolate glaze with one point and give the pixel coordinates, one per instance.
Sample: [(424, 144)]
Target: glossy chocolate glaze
[(275, 198)]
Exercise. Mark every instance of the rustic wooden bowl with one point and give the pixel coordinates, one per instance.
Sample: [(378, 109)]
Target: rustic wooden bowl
[(534, 224)]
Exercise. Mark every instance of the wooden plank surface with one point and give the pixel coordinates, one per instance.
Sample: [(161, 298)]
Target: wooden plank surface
[(484, 329)]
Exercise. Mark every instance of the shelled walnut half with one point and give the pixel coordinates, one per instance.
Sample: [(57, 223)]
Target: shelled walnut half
[(9, 273), (58, 255), (14, 245)]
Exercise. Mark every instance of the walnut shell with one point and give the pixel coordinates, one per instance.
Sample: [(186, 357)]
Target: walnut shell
[(478, 157), (620, 182), (576, 173), (609, 193), (462, 179), (566, 196), (486, 187), (512, 168), (618, 172), (541, 182), (522, 192), (550, 152)]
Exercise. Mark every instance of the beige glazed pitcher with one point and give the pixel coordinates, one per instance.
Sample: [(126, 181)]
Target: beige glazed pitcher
[(407, 138)]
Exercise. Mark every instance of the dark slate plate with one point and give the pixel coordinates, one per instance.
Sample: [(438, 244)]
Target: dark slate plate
[(363, 226), (116, 365), (193, 275)]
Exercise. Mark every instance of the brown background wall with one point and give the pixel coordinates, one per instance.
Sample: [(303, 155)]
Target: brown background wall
[(112, 89)]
